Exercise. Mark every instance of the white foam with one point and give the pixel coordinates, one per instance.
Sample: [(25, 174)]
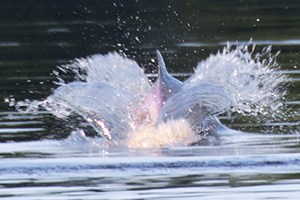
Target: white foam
[(171, 133)]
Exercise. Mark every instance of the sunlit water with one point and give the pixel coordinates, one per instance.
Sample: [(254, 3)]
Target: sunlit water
[(57, 148)]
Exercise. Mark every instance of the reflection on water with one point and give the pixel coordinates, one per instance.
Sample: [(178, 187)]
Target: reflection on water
[(41, 160), (257, 42)]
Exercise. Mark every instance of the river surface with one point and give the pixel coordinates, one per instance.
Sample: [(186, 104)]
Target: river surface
[(40, 156)]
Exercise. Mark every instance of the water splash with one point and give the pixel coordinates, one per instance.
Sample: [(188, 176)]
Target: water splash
[(173, 132), (113, 94), (254, 81)]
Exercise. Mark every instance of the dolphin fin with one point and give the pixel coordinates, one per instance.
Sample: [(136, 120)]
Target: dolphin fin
[(168, 85), (162, 70)]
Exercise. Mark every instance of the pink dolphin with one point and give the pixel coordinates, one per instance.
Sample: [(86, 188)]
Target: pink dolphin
[(171, 99)]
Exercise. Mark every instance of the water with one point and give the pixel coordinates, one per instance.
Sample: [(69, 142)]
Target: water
[(43, 157)]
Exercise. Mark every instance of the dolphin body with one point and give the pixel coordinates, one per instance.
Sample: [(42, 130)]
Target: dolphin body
[(179, 101)]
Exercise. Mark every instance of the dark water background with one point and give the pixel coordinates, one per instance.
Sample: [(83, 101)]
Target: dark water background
[(36, 36)]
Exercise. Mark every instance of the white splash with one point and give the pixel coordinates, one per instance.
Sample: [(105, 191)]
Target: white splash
[(253, 80), (113, 94), (171, 133)]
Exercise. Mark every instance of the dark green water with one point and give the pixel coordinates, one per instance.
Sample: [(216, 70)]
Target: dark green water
[(37, 162)]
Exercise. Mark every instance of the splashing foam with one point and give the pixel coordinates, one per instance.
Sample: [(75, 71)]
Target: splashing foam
[(115, 97), (171, 133), (253, 80)]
